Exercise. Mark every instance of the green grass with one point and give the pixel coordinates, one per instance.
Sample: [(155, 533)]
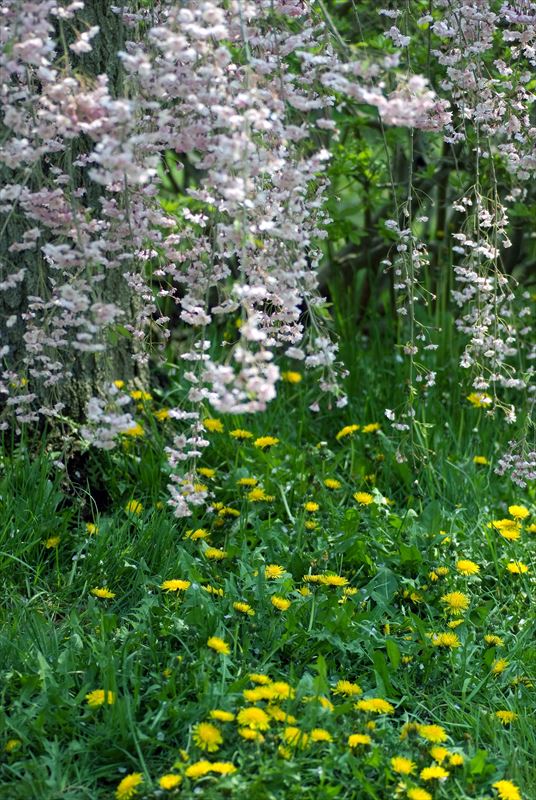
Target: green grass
[(149, 647)]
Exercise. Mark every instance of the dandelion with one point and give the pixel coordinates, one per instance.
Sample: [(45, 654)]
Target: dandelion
[(238, 433), (213, 590), (374, 704), (222, 716), (133, 507), (139, 395), (332, 483), (199, 533), (493, 640), (265, 441), (432, 733), (498, 666), (435, 772), (128, 787), (506, 717), (291, 377), (257, 677), (439, 753), (456, 759), (273, 571), (311, 506), (479, 399), (356, 739), (296, 737), (206, 472), (162, 414), (280, 716), (207, 736), (457, 602), (213, 425), (372, 427), (310, 525), (347, 688), (244, 608), (215, 553), (281, 690), (467, 567), (52, 541), (258, 494), (169, 781), (198, 770), (119, 384), (402, 766), (135, 431), (321, 735), (91, 528), (223, 767), (105, 594), (480, 460), (175, 585), (98, 697), (446, 639), (508, 528), (455, 622), (419, 794), (247, 482), (363, 498), (11, 745), (346, 431), (507, 790), (518, 512), (251, 735), (219, 645), (517, 568), (281, 603), (255, 718)]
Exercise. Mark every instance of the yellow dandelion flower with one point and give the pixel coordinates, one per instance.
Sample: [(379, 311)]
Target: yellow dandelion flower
[(215, 553), (223, 767), (213, 590), (134, 507), (347, 688), (493, 640), (281, 690), (457, 602), (128, 787), (11, 745), (257, 494), (213, 425), (507, 790), (376, 705), (265, 441), (169, 781), (467, 567), (198, 770), (506, 717), (480, 460), (311, 506), (225, 511), (532, 528), (498, 666), (199, 533), (456, 759), (432, 733), (100, 697), (175, 585), (247, 482), (273, 571), (402, 765), (439, 753), (251, 735), (321, 735), (222, 716), (281, 603), (244, 608), (416, 793), (518, 512), (238, 433), (219, 645), (255, 718), (372, 427), (291, 377), (310, 525), (207, 736), (346, 431), (206, 472), (135, 431), (435, 772), (508, 528), (363, 498), (517, 568), (455, 622), (52, 541), (105, 594), (479, 399), (119, 384), (139, 395), (257, 677), (295, 737), (162, 414), (332, 483), (91, 528), (356, 739), (442, 571), (277, 713), (446, 639)]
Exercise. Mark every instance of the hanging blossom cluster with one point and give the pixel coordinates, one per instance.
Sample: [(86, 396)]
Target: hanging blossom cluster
[(216, 82)]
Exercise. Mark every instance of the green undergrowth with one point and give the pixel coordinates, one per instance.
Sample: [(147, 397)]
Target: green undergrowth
[(375, 599)]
